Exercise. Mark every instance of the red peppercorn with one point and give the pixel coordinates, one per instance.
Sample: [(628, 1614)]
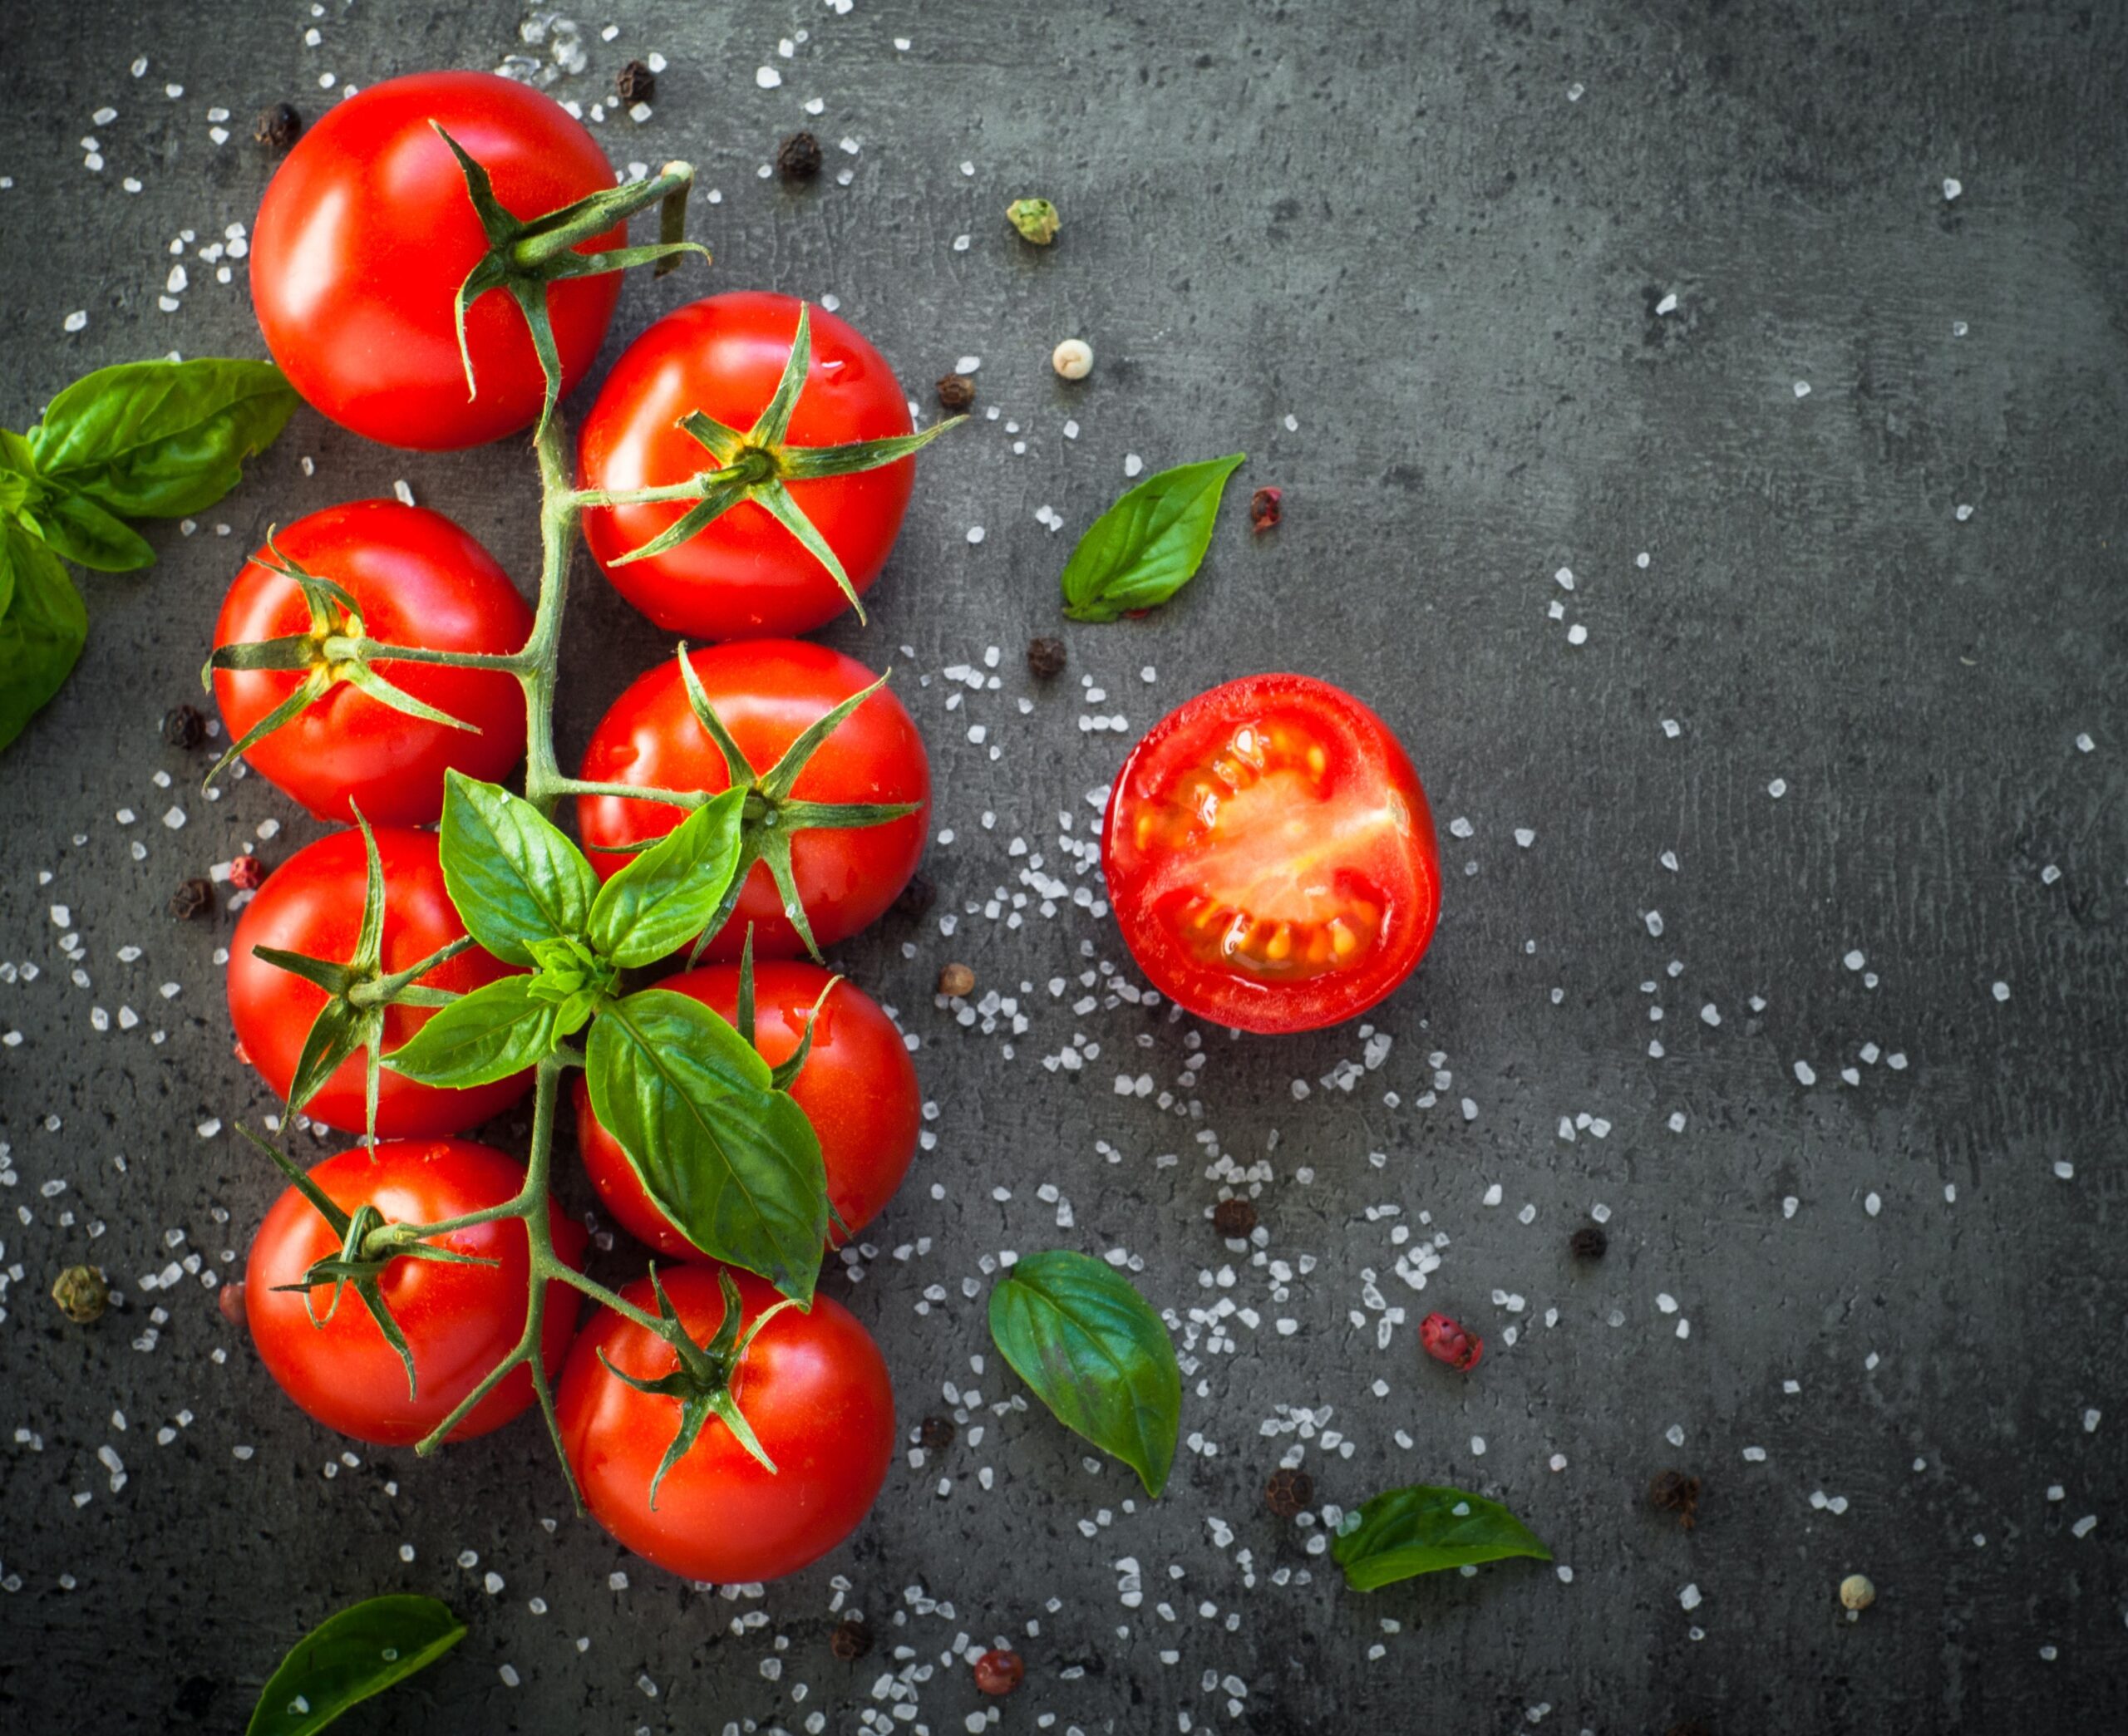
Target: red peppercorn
[(1264, 510), (247, 873), (229, 1299), (1447, 1340), (999, 1672)]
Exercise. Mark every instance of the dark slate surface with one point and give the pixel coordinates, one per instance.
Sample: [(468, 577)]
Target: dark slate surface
[(1402, 228)]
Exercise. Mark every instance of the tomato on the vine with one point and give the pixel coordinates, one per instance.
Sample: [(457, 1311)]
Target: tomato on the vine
[(367, 232), (458, 1321), (744, 575), (1270, 856), (858, 1088), (767, 693), (813, 1387), (312, 904), (419, 581)]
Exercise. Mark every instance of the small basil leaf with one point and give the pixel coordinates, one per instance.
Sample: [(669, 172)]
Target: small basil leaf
[(41, 631), (514, 877), (76, 526), (663, 897), (348, 1657), (1147, 546), (156, 439), (734, 1164), (1077, 1331), (496, 1030), (1401, 1533)]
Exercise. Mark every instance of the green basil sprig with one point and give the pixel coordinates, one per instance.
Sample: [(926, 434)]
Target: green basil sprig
[(348, 1657), (1149, 544), (145, 439), (1076, 1330), (709, 1127), (1401, 1533)]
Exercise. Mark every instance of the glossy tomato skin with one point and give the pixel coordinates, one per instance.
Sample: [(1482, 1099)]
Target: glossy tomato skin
[(858, 1088), (421, 580), (312, 904), (458, 1320), (815, 1388), (745, 576), (1270, 856), (366, 233), (767, 693)]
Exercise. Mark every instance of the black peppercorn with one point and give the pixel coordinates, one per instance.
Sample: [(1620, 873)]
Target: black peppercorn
[(192, 899), (935, 1433), (277, 127), (183, 726), (956, 392), (1234, 1218), (799, 160), (1289, 1492), (1588, 1242), (850, 1640), (916, 897), (1676, 1492), (1046, 658), (635, 82)]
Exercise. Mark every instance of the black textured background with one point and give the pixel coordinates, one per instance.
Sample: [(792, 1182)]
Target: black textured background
[(1401, 226)]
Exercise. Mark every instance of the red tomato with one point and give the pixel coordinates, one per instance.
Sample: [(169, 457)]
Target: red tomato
[(312, 904), (858, 1088), (1270, 856), (421, 580), (745, 576), (767, 693), (366, 233), (813, 1386), (459, 1321)]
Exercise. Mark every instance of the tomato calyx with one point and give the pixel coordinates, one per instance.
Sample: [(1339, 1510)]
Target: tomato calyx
[(525, 256), (706, 1383), (756, 465), (335, 650), (357, 990), (367, 1247), (770, 818)]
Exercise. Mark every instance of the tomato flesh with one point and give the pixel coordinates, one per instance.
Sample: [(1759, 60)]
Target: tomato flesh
[(1270, 856), (458, 1321), (420, 581), (858, 1088)]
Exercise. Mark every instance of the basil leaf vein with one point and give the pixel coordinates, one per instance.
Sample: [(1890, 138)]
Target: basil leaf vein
[(512, 875)]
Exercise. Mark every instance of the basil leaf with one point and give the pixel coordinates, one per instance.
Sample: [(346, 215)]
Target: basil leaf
[(41, 631), (666, 896), (350, 1656), (514, 877), (734, 1163), (496, 1030), (1076, 1330), (1404, 1532), (156, 439), (76, 526), (1147, 546)]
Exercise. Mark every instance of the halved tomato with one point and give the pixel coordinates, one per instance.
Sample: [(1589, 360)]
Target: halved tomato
[(1270, 856)]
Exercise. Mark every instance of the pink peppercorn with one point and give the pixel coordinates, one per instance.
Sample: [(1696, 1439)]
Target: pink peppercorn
[(1447, 1340)]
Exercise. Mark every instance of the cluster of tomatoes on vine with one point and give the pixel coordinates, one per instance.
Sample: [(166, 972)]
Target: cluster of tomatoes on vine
[(433, 267)]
